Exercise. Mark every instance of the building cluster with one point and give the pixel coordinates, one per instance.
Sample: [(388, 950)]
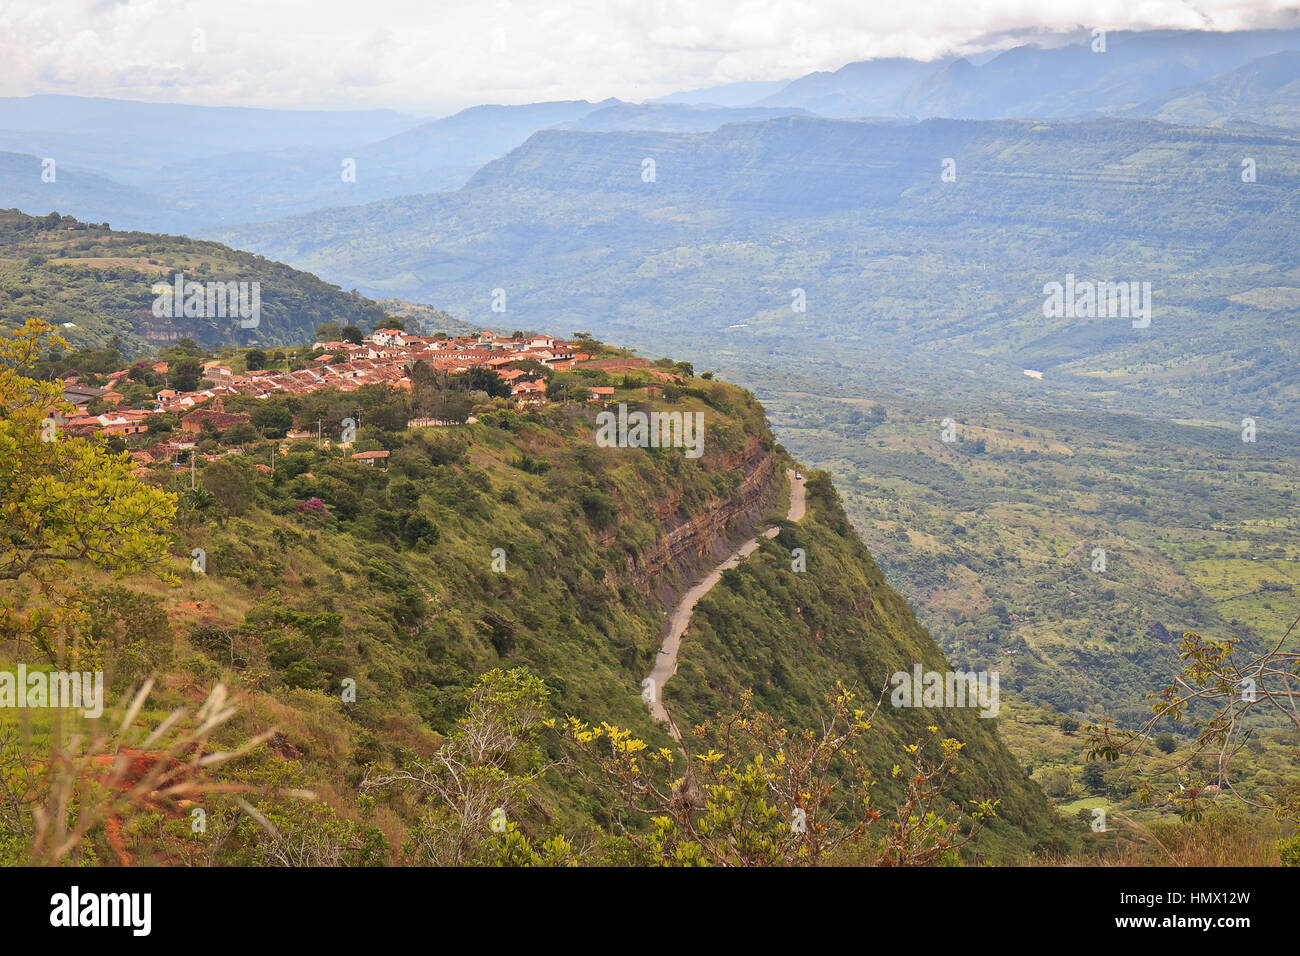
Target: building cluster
[(385, 357)]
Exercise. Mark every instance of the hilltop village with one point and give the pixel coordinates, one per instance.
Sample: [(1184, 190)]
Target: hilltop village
[(387, 357)]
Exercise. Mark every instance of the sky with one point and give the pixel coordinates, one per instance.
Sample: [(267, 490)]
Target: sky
[(429, 57)]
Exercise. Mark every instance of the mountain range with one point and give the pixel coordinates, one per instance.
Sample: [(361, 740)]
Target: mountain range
[(208, 168)]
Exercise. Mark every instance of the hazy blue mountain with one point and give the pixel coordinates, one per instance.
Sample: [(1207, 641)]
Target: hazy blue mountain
[(1073, 79), (24, 185), (125, 139), (197, 190), (867, 88), (672, 117), (471, 137), (1033, 80), (431, 157), (1264, 91), (745, 93)]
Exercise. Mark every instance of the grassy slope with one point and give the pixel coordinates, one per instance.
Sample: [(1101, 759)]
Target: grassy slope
[(789, 636)]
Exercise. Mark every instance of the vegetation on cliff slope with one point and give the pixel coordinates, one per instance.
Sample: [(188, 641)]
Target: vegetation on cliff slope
[(353, 609)]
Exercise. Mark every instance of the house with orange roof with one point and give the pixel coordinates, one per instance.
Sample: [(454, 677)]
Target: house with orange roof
[(372, 457), (530, 393)]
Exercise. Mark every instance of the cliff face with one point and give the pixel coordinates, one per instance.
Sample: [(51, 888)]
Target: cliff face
[(691, 543), (789, 637)]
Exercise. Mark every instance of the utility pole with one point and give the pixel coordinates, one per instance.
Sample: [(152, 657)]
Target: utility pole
[(193, 453)]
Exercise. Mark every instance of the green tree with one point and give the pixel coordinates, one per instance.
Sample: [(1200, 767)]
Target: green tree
[(230, 485), (63, 501), (183, 374), (486, 380), (273, 417), (483, 772), (131, 628)]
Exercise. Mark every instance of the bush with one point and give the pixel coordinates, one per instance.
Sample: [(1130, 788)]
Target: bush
[(131, 628), (1289, 851)]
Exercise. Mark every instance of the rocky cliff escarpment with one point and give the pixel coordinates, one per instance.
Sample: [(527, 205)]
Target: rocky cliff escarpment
[(691, 543)]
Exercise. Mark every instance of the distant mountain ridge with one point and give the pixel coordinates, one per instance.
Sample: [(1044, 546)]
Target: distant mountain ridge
[(1071, 79), (1264, 91), (241, 166)]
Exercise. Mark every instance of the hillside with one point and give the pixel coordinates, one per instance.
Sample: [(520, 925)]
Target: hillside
[(1264, 91), (514, 540), (786, 636), (102, 281)]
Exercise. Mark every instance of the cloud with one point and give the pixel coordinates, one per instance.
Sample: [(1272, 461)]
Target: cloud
[(430, 57)]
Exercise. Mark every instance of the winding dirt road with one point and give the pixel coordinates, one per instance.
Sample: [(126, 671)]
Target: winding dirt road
[(666, 661)]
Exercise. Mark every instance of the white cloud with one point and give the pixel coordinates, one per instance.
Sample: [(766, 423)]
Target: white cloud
[(432, 56)]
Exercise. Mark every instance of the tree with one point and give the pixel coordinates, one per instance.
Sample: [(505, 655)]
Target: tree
[(418, 527), (183, 374), (243, 433), (481, 774), (131, 627), (486, 380), (1222, 691), (230, 485), (350, 333), (160, 424), (328, 332), (273, 418), (1166, 742), (63, 501), (254, 359), (763, 794), (390, 416), (534, 368)]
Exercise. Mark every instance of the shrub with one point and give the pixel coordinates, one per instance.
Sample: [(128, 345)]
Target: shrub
[(1289, 851)]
